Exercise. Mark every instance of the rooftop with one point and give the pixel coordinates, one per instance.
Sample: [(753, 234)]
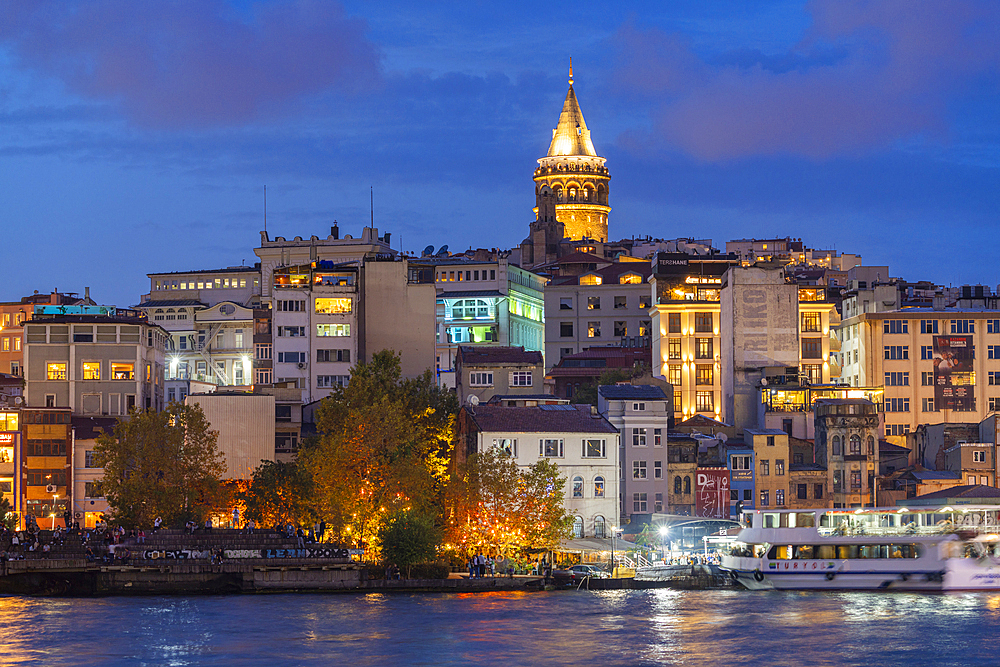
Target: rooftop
[(632, 392), (543, 419), (171, 303), (490, 354), (967, 491), (764, 431), (231, 269)]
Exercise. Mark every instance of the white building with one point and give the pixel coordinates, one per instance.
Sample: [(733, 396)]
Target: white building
[(582, 443)]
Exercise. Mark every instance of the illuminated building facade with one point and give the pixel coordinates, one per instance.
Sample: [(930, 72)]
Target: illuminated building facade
[(94, 365), (686, 333), (209, 315), (483, 300), (938, 365), (10, 448), (571, 188), (336, 301), (44, 472), (12, 317), (88, 499), (583, 445)]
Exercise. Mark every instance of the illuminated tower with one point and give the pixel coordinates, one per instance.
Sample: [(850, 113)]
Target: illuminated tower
[(573, 176)]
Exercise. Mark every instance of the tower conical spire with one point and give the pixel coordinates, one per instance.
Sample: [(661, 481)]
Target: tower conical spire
[(571, 136)]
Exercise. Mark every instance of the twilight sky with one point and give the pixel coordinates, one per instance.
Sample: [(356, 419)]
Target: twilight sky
[(136, 137)]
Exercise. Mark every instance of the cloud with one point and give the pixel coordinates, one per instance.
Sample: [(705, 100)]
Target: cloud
[(866, 75), (193, 63)]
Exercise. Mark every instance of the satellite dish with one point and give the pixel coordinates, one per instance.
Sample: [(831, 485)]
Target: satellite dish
[(472, 400), (442, 251), (428, 251), (51, 488), (18, 400), (763, 382), (722, 437)]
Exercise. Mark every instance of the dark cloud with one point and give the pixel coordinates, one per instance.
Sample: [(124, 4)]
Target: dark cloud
[(866, 75), (193, 63)]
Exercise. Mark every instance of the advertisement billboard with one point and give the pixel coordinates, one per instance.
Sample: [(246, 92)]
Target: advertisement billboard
[(954, 377), (711, 493)]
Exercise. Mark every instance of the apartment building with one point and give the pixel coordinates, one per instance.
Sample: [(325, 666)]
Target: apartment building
[(937, 365), (607, 305), (88, 500), (10, 448), (485, 372), (976, 462), (209, 316), (94, 365), (13, 314), (642, 414), (847, 446), (484, 300), (337, 301), (583, 444)]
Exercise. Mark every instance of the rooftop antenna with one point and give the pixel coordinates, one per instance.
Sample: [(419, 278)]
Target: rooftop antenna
[(265, 210), (373, 205), (571, 70)]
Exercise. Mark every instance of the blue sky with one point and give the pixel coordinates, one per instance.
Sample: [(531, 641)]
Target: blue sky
[(137, 137)]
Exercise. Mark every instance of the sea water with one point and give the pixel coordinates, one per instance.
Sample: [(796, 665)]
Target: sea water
[(653, 627)]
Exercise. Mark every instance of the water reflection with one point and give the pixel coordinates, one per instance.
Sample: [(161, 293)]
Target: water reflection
[(563, 628)]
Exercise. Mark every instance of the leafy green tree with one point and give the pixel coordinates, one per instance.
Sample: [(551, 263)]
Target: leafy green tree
[(164, 464), (384, 448), (502, 508), (408, 538), (8, 519), (279, 493)]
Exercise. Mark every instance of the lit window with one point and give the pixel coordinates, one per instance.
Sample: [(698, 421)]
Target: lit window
[(590, 279), (122, 371), (630, 279), (598, 487), (333, 306), (333, 329)]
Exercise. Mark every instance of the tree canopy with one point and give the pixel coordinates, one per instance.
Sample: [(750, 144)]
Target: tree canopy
[(164, 464), (384, 448), (278, 494), (502, 508), (408, 538)]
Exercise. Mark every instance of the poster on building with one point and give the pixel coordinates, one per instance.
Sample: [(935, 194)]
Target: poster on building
[(711, 497), (954, 377)]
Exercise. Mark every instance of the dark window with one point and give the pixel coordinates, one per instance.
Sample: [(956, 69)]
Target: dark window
[(812, 348), (566, 329), (673, 322), (818, 491), (283, 413), (703, 322), (687, 485), (801, 491)]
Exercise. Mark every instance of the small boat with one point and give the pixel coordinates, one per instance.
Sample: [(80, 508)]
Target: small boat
[(925, 549)]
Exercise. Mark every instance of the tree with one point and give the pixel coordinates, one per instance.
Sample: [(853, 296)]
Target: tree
[(279, 493), (408, 538), (504, 509), (384, 448), (164, 464), (587, 393), (8, 519)]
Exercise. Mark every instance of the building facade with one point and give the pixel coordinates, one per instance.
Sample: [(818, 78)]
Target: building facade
[(936, 365), (94, 365), (582, 444), (485, 372), (847, 445), (605, 306), (641, 413)]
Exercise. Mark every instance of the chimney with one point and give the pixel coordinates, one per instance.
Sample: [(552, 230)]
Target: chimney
[(937, 303), (86, 293), (335, 231), (386, 238)]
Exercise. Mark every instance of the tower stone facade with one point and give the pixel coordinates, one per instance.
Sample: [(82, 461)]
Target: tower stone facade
[(571, 188)]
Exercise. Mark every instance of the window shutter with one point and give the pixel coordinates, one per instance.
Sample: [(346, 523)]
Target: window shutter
[(510, 379), (561, 448), (541, 447)]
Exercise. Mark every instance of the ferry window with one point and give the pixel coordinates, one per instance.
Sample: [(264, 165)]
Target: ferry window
[(770, 520), (748, 519), (805, 520), (806, 551)]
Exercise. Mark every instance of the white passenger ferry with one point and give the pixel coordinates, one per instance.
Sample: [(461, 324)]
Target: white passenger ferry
[(925, 549)]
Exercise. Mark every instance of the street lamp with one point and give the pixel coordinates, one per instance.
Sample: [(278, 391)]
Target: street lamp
[(55, 501)]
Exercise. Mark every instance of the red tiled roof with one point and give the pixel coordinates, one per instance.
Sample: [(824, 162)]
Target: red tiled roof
[(543, 419)]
